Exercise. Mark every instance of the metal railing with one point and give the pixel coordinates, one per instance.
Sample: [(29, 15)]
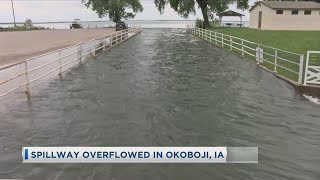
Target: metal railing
[(312, 73), (280, 61), (23, 74)]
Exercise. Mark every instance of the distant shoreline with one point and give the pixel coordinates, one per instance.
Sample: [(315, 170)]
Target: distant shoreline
[(51, 22), (101, 21)]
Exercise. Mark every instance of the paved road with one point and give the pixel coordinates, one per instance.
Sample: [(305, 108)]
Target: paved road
[(21, 45)]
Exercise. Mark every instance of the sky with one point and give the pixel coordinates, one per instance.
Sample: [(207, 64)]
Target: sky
[(67, 10)]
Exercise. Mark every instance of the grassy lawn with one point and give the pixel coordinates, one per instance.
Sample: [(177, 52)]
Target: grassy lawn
[(294, 41)]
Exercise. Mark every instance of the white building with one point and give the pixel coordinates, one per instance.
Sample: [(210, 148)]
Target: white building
[(285, 15)]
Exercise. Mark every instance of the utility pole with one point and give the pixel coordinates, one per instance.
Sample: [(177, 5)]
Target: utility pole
[(14, 17)]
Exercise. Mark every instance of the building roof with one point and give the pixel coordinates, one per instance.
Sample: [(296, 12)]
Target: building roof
[(289, 4), (230, 13)]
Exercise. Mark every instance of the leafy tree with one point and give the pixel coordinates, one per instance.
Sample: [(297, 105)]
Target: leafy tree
[(185, 7), (114, 9)]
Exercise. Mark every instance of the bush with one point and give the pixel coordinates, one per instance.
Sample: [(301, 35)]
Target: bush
[(24, 28), (215, 23), (199, 23)]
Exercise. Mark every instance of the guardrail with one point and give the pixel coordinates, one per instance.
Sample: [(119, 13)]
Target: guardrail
[(23, 74), (280, 61)]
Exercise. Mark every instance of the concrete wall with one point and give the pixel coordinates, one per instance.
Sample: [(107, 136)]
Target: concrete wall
[(285, 21)]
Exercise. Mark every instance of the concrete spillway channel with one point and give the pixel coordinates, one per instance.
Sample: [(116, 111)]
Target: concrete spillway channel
[(164, 88)]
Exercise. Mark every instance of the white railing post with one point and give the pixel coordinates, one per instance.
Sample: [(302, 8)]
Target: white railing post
[(94, 50), (206, 35), (230, 43), (215, 37), (60, 65), (111, 41), (202, 32), (242, 50), (104, 43), (301, 69), (275, 60), (27, 79), (222, 40), (306, 71), (258, 54)]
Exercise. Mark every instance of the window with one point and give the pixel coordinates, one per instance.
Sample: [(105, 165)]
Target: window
[(307, 12), (279, 12), (295, 12)]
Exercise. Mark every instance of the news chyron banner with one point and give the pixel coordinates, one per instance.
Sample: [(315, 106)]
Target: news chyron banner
[(140, 154)]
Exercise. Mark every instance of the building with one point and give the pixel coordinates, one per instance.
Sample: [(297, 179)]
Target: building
[(285, 15)]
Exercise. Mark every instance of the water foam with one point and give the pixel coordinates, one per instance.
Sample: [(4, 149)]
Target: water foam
[(312, 99)]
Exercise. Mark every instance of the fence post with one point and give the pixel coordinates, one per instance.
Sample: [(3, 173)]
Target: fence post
[(60, 68), (207, 34), (202, 33), (215, 37), (94, 52), (111, 40), (230, 43), (27, 79), (306, 72), (301, 69), (242, 50), (275, 60), (222, 40), (258, 54)]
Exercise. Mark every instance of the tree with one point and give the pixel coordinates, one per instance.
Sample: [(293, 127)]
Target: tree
[(185, 7), (114, 9)]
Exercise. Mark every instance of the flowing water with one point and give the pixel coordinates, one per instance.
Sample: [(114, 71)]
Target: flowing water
[(165, 88)]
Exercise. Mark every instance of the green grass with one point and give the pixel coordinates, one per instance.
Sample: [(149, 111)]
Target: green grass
[(294, 41), (24, 28)]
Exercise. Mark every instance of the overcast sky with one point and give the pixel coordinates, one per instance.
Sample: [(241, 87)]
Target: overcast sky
[(67, 10)]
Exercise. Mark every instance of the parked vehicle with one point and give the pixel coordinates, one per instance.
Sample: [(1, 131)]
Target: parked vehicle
[(121, 26), (75, 24)]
